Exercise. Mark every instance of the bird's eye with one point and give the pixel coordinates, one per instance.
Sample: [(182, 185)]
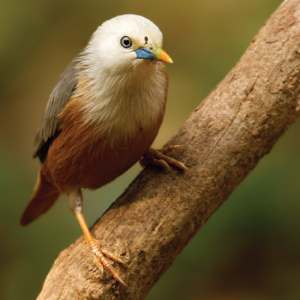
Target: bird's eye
[(126, 42)]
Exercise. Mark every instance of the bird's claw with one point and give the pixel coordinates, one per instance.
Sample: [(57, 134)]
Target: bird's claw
[(158, 158), (100, 261)]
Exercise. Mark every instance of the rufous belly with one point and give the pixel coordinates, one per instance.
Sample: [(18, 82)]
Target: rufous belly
[(80, 157)]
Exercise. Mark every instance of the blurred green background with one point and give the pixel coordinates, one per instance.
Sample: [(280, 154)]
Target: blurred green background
[(249, 249)]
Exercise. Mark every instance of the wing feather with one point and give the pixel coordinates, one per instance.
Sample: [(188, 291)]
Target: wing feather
[(59, 97)]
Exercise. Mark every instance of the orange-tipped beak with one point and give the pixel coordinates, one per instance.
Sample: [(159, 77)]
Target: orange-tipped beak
[(161, 55), (153, 51)]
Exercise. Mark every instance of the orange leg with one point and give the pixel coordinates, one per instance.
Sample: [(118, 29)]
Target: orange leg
[(75, 203), (158, 158)]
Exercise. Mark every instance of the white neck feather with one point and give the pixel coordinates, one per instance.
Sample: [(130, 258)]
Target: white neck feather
[(121, 104)]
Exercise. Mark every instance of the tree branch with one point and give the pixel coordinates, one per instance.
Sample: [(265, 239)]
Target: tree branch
[(224, 138)]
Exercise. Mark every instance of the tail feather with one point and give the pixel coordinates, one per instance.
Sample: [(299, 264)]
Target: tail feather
[(44, 196)]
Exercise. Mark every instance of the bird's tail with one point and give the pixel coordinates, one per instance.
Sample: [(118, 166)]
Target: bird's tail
[(44, 196)]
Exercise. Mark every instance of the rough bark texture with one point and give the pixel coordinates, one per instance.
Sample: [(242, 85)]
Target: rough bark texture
[(224, 139)]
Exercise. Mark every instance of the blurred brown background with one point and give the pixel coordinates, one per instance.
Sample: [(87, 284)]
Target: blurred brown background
[(249, 249)]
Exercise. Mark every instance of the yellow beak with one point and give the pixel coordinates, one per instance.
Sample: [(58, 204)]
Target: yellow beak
[(153, 51)]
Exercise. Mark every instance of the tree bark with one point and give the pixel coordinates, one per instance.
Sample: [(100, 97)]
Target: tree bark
[(224, 138)]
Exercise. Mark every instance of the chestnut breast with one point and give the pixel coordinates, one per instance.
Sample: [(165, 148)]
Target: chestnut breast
[(81, 156)]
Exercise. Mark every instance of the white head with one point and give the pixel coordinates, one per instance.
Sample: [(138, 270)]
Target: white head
[(123, 42), (124, 73)]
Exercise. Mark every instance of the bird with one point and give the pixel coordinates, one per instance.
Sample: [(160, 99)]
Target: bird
[(101, 118)]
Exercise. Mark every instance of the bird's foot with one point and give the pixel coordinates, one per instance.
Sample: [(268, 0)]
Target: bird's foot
[(158, 158), (100, 261)]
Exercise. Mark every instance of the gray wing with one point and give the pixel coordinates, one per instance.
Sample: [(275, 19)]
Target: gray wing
[(59, 97)]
